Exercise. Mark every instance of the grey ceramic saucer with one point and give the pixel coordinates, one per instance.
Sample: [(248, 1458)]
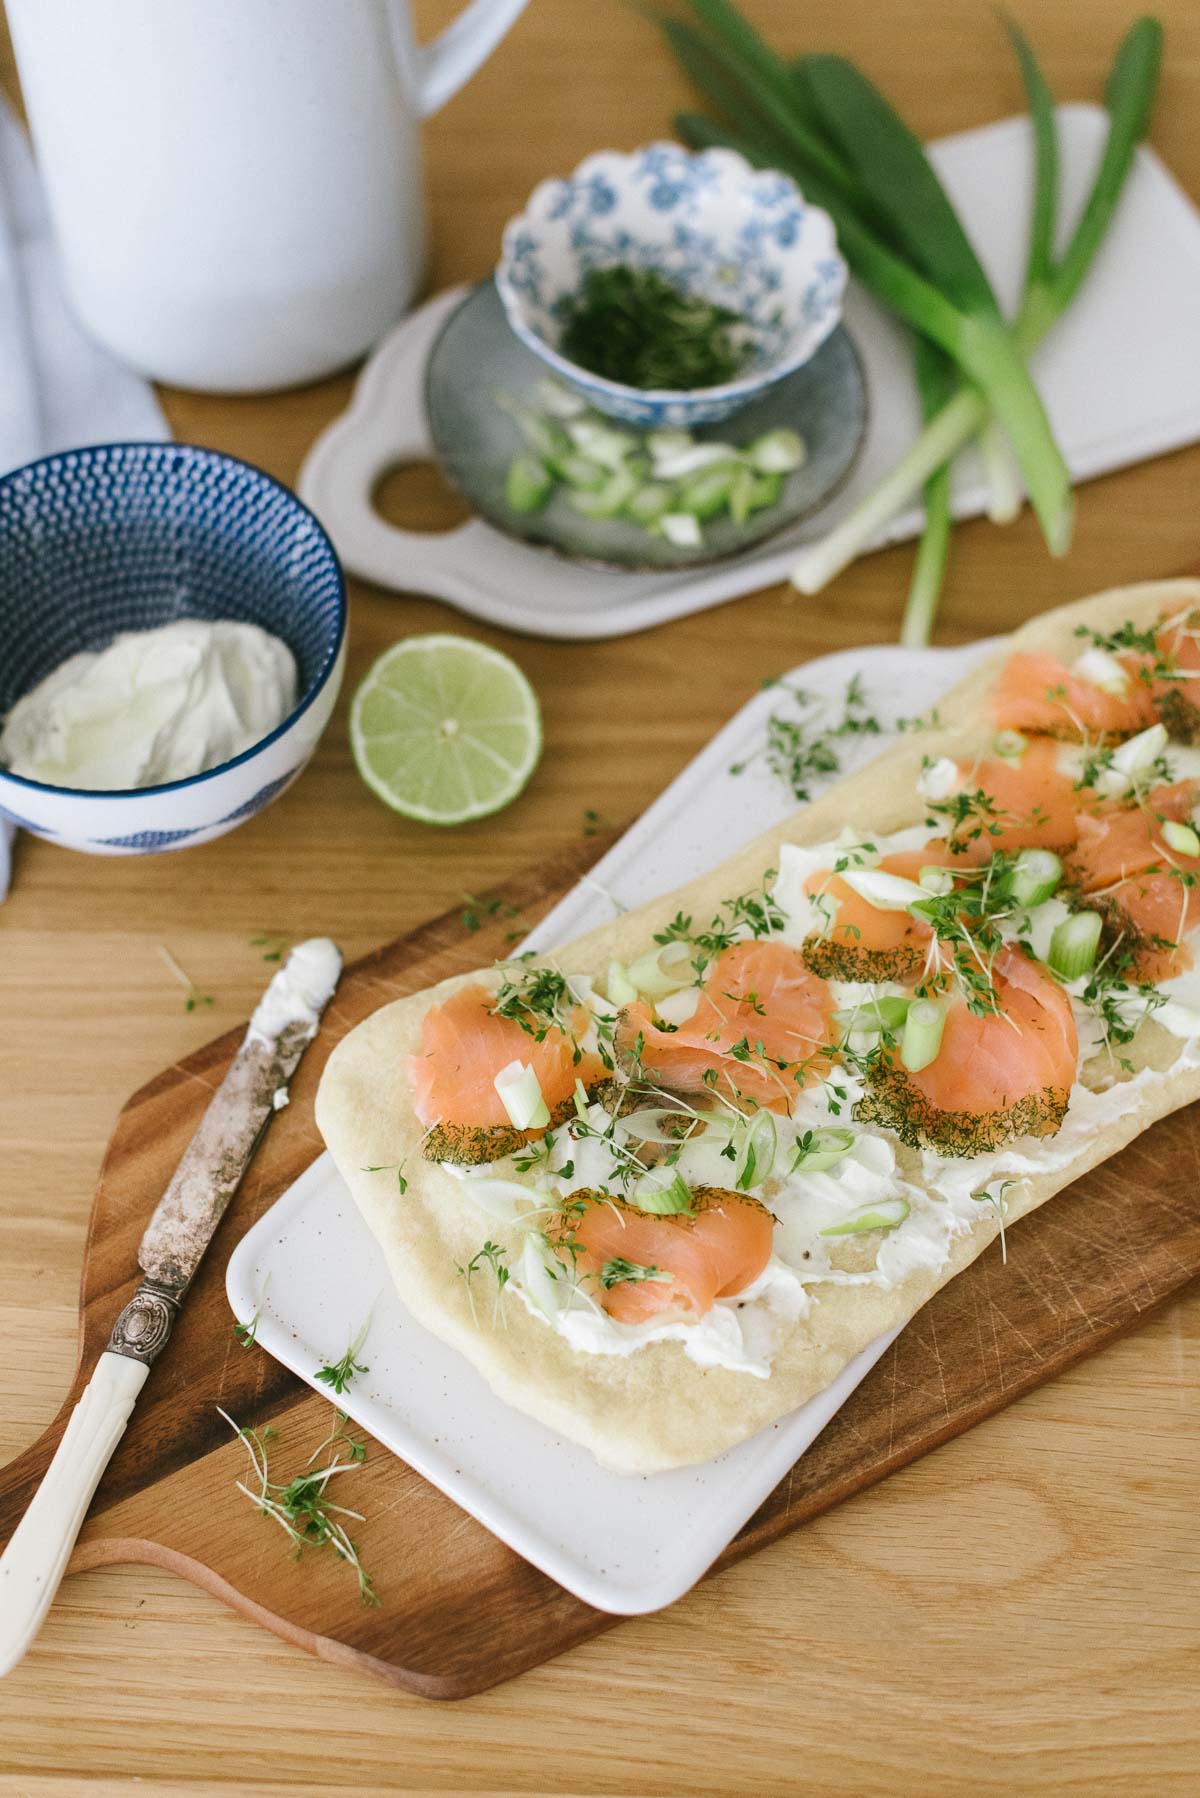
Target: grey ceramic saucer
[(476, 356)]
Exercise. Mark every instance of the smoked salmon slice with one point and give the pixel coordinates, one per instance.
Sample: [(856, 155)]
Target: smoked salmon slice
[(1146, 891), (641, 1266), (464, 1045), (996, 1075), (1010, 805), (863, 941), (763, 1027), (1040, 694)]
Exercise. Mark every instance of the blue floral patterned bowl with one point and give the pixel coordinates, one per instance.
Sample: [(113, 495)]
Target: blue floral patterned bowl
[(127, 536), (741, 237)]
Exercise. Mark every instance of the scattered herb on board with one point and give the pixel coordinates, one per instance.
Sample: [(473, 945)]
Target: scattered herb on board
[(801, 747), (339, 1374), (247, 1333), (476, 910), (634, 326), (273, 943), (301, 1508), (592, 821), (194, 999)]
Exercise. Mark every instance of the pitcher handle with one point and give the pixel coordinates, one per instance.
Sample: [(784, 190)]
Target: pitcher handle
[(433, 72)]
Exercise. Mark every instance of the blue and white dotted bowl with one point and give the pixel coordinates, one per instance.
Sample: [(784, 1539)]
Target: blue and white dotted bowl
[(710, 223), (127, 536)]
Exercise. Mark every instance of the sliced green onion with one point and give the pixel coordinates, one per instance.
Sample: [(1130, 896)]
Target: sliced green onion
[(1034, 876), (886, 892), (648, 504), (938, 779), (1010, 745), (521, 1096), (1137, 755), (674, 1200), (681, 464), (601, 443), (557, 400), (1073, 944), (581, 472), (776, 452), (922, 1037), (1100, 669), (938, 881), (681, 529), (618, 986), (884, 1215), (705, 494), (742, 490), (608, 500), (664, 969), (547, 439), (662, 1124), (758, 1151), (528, 485), (766, 492), (819, 1150), (887, 1013), (538, 1282), (668, 441), (1180, 837), (499, 1198)]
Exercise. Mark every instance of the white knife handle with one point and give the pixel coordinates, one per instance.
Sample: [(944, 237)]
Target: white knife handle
[(36, 1557)]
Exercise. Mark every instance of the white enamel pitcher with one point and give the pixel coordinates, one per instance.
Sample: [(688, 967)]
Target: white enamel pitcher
[(236, 184)]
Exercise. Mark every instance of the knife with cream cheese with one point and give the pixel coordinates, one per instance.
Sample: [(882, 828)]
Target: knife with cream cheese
[(179, 1231)]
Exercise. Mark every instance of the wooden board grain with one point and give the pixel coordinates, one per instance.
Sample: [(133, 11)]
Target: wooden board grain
[(459, 1612)]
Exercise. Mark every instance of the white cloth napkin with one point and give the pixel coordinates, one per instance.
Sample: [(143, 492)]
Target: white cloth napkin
[(58, 389)]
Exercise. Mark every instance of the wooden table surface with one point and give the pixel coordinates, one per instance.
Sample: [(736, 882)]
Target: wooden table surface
[(1018, 1612)]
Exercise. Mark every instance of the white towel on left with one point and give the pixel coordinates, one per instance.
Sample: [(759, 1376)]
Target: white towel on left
[(59, 389)]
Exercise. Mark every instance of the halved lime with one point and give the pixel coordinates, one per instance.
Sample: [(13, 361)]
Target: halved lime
[(445, 729)]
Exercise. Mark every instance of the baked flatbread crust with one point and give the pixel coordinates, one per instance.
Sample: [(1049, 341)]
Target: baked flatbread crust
[(656, 1408)]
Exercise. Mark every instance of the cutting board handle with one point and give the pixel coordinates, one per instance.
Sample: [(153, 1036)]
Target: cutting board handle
[(35, 1560)]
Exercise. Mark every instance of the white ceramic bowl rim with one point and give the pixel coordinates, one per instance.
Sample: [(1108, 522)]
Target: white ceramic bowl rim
[(326, 669), (746, 384)]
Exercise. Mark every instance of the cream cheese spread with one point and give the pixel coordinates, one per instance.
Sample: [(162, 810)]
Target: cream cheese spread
[(155, 706)]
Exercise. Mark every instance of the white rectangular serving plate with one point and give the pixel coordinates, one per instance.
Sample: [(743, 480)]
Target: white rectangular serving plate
[(313, 1271)]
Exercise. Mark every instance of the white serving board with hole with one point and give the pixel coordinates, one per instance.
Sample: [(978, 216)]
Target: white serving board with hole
[(1120, 376), (312, 1269)]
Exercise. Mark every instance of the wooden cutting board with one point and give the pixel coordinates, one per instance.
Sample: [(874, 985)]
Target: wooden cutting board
[(460, 1612)]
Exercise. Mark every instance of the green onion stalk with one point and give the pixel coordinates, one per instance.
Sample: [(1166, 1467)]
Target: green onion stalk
[(822, 121)]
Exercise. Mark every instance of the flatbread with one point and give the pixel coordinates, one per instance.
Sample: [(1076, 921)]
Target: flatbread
[(657, 1409)]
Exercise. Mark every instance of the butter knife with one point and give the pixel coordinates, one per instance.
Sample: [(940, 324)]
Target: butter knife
[(181, 1228)]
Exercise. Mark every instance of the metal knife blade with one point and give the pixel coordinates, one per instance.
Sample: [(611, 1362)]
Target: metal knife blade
[(211, 1167)]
